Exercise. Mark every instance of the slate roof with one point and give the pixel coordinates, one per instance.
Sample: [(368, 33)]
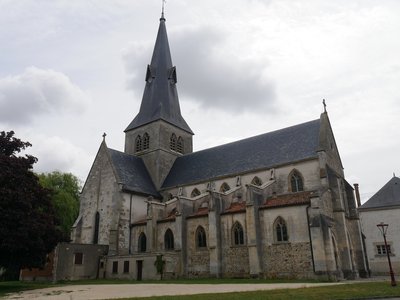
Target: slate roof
[(268, 150), (387, 196), (133, 173), (160, 97)]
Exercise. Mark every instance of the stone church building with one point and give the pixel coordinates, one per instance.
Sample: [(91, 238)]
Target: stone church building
[(272, 205)]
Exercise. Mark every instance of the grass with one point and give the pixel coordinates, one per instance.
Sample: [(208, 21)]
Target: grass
[(334, 292), (18, 286), (345, 291)]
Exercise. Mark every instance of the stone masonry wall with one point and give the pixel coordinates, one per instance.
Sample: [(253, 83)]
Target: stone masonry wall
[(291, 260), (198, 259)]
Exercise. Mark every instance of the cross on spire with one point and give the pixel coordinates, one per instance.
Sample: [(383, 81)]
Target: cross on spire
[(104, 136), (162, 9), (324, 104)]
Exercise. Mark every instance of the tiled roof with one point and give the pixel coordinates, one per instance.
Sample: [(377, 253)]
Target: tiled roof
[(139, 223), (235, 207), (268, 150), (387, 196), (133, 173), (202, 211), (287, 200)]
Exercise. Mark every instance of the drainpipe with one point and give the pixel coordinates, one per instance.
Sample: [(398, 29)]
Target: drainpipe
[(309, 235)]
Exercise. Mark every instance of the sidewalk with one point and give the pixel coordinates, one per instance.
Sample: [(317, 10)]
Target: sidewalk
[(114, 291)]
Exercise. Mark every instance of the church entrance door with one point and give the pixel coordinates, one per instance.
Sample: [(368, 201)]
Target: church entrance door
[(139, 269)]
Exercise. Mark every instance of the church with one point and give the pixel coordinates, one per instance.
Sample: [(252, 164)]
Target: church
[(276, 205)]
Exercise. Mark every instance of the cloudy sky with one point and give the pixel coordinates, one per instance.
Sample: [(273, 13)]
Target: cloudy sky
[(71, 70)]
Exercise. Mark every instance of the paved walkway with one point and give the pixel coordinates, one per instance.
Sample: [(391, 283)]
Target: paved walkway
[(115, 291)]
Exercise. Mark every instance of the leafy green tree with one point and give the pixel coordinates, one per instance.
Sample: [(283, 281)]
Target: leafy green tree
[(64, 189), (27, 220)]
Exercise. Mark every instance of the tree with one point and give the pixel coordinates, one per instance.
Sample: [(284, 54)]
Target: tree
[(27, 221), (64, 189)]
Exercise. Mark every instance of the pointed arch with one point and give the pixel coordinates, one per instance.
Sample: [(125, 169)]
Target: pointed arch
[(168, 240), (172, 142), (201, 239), (281, 232), (195, 193), (142, 242), (179, 145), (146, 141), (138, 143), (296, 181), (224, 187), (237, 234), (256, 181)]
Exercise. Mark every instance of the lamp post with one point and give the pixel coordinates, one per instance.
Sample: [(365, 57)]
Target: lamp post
[(383, 228)]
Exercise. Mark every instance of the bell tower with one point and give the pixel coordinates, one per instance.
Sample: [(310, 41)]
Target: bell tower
[(158, 133)]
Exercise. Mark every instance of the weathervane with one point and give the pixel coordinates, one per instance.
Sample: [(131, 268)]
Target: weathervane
[(323, 102)]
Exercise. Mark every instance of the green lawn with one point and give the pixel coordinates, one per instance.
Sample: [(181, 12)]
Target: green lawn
[(347, 291)]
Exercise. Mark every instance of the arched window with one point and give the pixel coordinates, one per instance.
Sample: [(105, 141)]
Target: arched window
[(195, 193), (96, 228), (296, 182), (172, 142), (142, 242), (169, 240), (238, 235), (179, 145), (281, 230), (256, 181), (146, 141), (138, 143), (224, 188), (201, 240)]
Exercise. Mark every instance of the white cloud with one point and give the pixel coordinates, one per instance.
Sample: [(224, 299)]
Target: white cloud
[(58, 154), (35, 92)]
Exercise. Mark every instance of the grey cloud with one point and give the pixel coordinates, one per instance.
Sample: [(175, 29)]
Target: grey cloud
[(35, 92), (207, 74)]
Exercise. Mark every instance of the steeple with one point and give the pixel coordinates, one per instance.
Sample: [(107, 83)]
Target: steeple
[(160, 98)]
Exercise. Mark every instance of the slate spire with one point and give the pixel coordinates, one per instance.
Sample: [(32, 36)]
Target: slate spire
[(160, 98)]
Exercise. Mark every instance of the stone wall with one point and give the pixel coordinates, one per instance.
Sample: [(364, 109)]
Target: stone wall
[(198, 259), (290, 260), (67, 268)]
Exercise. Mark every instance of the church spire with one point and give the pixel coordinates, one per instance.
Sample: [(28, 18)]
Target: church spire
[(160, 98)]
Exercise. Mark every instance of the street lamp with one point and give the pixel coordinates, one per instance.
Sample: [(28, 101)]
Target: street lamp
[(383, 228)]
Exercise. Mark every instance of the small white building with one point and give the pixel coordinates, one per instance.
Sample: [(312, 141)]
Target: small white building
[(384, 207)]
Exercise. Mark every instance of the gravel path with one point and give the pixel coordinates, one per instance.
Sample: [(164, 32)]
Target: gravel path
[(115, 291)]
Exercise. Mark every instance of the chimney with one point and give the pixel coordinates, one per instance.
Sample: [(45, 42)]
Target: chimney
[(357, 194)]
